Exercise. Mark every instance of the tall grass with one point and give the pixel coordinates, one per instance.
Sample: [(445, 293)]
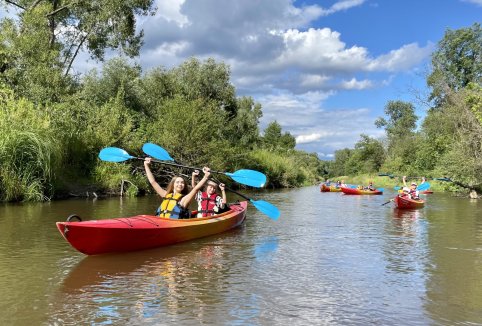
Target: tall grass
[(29, 152)]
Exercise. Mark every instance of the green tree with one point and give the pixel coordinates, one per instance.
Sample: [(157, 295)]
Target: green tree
[(456, 62), (208, 80), (41, 45), (242, 130), (275, 140)]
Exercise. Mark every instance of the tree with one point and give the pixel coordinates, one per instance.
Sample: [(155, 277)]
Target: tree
[(208, 80), (43, 43), (456, 62), (242, 130), (274, 140)]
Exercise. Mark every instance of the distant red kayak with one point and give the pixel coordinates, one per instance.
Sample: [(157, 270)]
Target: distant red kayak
[(356, 191), (404, 202), (145, 231), (325, 188), (426, 192)]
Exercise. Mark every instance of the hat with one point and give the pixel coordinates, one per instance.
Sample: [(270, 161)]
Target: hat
[(413, 184), (211, 183)]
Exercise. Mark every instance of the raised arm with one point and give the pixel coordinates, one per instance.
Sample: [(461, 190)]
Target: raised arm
[(404, 179), (160, 191), (187, 199), (223, 194), (194, 175)]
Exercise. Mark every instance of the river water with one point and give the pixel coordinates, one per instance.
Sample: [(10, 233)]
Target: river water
[(330, 259)]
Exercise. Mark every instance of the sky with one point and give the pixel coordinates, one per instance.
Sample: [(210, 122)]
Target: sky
[(324, 70)]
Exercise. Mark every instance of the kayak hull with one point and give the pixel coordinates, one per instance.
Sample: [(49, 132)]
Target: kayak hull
[(407, 203), (325, 188), (426, 192), (354, 191), (145, 231)]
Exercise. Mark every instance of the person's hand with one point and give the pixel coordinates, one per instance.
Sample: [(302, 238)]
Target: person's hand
[(195, 173), (147, 160), (207, 171), (221, 186)]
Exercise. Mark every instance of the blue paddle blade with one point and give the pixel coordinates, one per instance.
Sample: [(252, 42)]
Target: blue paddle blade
[(157, 152), (114, 154), (443, 179), (266, 208), (423, 186), (248, 177), (397, 188)]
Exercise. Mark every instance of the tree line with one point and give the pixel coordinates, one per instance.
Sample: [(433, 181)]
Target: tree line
[(54, 122)]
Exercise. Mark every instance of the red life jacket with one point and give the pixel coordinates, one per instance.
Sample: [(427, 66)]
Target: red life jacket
[(207, 204)]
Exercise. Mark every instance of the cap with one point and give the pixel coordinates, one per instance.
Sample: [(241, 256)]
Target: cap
[(413, 184), (211, 183)]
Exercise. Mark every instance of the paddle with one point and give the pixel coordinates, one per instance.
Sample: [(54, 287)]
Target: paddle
[(247, 177), (114, 154), (387, 202), (263, 206), (423, 186)]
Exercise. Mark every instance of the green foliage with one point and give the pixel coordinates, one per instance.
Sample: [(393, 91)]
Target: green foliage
[(242, 130), (206, 80), (275, 140), (29, 151), (32, 65), (113, 176), (456, 62), (191, 129), (282, 171)]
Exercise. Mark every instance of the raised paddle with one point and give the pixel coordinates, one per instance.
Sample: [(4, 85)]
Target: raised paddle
[(247, 177)]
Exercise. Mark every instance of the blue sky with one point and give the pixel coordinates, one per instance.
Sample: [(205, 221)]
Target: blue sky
[(323, 69)]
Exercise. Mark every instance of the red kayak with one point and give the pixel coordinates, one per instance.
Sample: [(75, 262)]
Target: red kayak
[(325, 188), (426, 192), (404, 202), (356, 191), (145, 231)]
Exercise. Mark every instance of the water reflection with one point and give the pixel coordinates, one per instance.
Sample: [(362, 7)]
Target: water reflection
[(329, 259)]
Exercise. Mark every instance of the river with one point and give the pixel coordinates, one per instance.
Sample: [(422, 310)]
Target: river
[(330, 259)]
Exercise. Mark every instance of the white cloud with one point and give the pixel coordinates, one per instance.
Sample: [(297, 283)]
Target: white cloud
[(477, 2), (170, 10), (355, 84), (342, 5)]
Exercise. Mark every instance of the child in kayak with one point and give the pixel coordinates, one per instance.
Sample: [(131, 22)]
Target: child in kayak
[(176, 197), (411, 191), (209, 202)]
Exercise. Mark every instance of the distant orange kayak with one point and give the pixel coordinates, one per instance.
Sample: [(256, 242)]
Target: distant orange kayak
[(356, 191), (325, 188)]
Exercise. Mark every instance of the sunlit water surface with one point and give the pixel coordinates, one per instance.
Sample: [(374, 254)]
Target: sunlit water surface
[(330, 259)]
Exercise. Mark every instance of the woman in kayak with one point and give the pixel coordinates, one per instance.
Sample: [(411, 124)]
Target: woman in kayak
[(209, 202), (176, 197)]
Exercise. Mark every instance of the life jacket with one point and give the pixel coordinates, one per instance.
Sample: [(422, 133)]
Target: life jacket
[(170, 207), (413, 194), (208, 204)]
